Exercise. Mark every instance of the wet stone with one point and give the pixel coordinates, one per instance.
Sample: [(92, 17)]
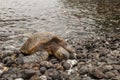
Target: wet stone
[(19, 79), (7, 53), (107, 68), (42, 70), (35, 66), (109, 74), (46, 64), (19, 59), (54, 61), (72, 62), (97, 74), (116, 78), (87, 78), (116, 67), (93, 56), (28, 73), (80, 64), (26, 66), (35, 77), (49, 78), (59, 67), (53, 74), (8, 61), (81, 56), (66, 65), (116, 72), (13, 75), (74, 76), (83, 70), (64, 75), (43, 77)]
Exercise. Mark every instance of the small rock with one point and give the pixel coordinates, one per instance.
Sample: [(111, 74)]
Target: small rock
[(26, 66), (116, 78), (54, 61), (86, 78), (28, 73), (83, 70), (1, 54), (66, 65), (109, 75), (116, 72), (42, 70), (116, 67), (59, 67), (81, 56), (19, 79), (64, 75), (72, 62), (12, 48), (74, 76), (80, 64), (53, 74), (107, 68), (49, 78), (35, 77), (46, 64), (43, 77), (35, 66), (93, 56), (3, 68), (97, 74)]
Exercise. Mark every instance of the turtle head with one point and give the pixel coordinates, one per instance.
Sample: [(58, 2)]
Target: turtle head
[(61, 53)]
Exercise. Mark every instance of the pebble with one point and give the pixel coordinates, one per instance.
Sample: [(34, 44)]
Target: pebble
[(109, 74), (116, 67), (106, 68), (28, 73), (54, 74), (19, 79), (66, 66), (42, 70), (59, 67), (46, 64), (83, 70), (81, 56), (43, 77), (97, 74), (64, 75), (72, 62), (3, 68)]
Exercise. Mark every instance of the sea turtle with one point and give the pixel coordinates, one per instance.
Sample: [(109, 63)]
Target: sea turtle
[(48, 43)]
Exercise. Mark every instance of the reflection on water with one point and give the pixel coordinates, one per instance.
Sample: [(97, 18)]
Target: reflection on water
[(110, 17), (69, 18), (102, 16)]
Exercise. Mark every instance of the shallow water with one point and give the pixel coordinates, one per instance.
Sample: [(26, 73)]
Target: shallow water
[(72, 19)]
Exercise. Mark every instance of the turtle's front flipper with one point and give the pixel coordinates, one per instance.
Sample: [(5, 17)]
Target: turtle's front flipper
[(37, 57), (61, 53)]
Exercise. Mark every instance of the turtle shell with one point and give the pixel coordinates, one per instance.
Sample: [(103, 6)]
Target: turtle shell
[(39, 41)]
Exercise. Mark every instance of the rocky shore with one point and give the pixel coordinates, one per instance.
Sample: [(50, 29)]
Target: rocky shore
[(97, 59)]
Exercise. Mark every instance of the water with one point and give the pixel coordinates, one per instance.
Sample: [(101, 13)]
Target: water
[(72, 19)]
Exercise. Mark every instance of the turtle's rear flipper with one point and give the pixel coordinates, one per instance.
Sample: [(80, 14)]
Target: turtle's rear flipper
[(37, 57)]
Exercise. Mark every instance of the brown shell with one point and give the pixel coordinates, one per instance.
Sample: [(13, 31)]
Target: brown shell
[(39, 41)]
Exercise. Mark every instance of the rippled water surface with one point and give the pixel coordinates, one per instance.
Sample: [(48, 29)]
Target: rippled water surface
[(72, 19)]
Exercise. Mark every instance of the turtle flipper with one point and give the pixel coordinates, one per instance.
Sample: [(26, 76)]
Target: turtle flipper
[(37, 57)]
